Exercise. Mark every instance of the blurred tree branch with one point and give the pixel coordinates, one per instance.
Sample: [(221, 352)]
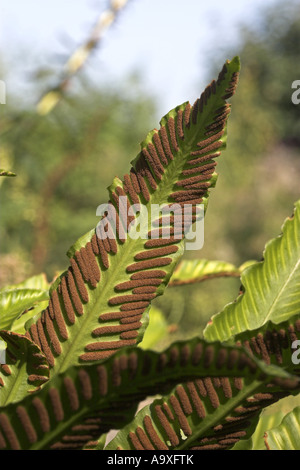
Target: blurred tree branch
[(79, 57)]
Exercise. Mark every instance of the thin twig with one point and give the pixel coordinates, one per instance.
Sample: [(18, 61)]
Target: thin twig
[(79, 57)]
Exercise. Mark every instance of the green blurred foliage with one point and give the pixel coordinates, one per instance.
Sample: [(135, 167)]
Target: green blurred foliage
[(65, 160)]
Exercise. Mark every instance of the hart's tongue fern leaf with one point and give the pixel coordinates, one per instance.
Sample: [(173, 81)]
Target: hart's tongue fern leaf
[(97, 306), (79, 405), (101, 303)]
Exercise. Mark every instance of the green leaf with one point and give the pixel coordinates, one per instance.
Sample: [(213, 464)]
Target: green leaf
[(16, 299), (101, 303), (256, 442), (84, 402), (285, 436), (25, 370), (270, 288), (270, 417), (192, 271)]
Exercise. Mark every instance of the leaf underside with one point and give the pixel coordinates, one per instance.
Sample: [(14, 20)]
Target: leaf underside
[(79, 405), (100, 304), (286, 435), (13, 302), (193, 271), (214, 413), (212, 394)]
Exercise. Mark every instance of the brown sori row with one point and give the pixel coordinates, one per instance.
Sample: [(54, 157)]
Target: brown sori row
[(67, 301)]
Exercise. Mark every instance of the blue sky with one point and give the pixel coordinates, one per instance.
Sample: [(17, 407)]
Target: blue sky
[(167, 41)]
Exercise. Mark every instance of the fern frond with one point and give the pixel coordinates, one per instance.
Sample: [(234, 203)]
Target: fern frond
[(100, 303), (270, 289)]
